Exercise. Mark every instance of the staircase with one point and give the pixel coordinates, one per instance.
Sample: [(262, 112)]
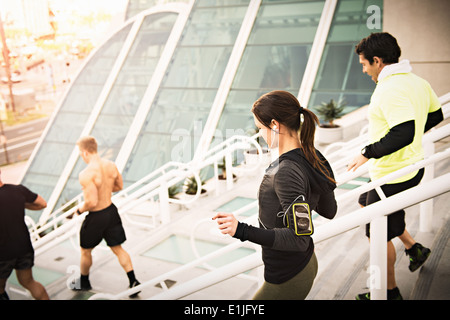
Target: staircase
[(343, 259)]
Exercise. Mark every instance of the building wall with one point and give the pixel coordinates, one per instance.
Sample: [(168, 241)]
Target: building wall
[(421, 28)]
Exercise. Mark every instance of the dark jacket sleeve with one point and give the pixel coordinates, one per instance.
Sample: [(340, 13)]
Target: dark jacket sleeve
[(289, 183), (397, 138), (400, 136), (327, 205), (433, 119)]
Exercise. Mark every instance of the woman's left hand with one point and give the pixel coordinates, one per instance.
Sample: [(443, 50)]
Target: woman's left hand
[(227, 223)]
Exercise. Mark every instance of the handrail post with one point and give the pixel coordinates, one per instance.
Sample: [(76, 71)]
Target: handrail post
[(229, 170), (216, 177), (426, 207), (164, 203), (378, 259)]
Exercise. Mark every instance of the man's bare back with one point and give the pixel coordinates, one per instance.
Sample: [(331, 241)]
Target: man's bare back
[(98, 181)]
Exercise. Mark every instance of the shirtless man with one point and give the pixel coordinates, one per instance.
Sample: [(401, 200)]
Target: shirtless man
[(98, 181)]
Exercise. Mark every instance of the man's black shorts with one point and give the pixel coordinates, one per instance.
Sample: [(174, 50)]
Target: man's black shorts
[(396, 220), (104, 224), (22, 263)]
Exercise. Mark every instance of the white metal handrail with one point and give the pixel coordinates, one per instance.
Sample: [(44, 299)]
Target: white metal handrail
[(333, 228), (124, 200), (250, 220), (397, 174), (351, 220), (249, 262), (58, 217), (156, 183), (209, 161), (199, 261)]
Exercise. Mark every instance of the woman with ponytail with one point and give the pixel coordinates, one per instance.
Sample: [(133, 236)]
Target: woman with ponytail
[(298, 182)]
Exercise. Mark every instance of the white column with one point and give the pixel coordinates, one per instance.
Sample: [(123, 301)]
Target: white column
[(378, 259), (316, 52), (426, 207)]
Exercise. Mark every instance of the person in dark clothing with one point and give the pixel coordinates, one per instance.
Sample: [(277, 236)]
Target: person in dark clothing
[(16, 251), (299, 181)]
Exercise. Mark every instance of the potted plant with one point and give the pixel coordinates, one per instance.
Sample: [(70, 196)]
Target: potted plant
[(174, 194), (222, 166), (173, 191), (329, 132), (190, 190), (191, 186)]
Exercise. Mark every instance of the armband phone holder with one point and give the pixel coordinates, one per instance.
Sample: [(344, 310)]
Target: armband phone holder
[(298, 218)]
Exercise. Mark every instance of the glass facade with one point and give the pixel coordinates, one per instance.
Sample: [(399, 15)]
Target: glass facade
[(118, 111), (135, 7), (182, 105), (274, 57), (48, 164), (340, 74)]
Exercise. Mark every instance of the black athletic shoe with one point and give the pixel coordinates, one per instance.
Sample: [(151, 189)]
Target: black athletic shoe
[(393, 294), (4, 296), (418, 254), (363, 296), (134, 284), (81, 285)]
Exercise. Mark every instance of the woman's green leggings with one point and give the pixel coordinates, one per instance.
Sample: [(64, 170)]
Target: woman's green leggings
[(296, 288)]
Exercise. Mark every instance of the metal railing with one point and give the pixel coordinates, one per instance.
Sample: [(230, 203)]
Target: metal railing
[(198, 262), (376, 214), (333, 228), (157, 184), (370, 214), (154, 185)]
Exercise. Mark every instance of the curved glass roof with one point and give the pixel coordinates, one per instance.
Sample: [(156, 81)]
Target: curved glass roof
[(180, 77), (184, 99)]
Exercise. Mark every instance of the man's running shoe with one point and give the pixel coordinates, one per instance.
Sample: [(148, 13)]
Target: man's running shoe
[(4, 296), (418, 254), (135, 284), (81, 284), (393, 294)]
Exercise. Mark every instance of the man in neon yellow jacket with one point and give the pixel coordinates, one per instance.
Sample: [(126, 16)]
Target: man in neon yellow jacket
[(403, 106)]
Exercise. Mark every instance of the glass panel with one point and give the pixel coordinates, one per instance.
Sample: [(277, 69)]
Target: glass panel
[(66, 127), (123, 100), (275, 59), (137, 6), (179, 112), (153, 152), (117, 114), (171, 132), (294, 22), (68, 124), (210, 3), (82, 97), (189, 105), (226, 21), (200, 67), (272, 66), (333, 77), (340, 75)]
